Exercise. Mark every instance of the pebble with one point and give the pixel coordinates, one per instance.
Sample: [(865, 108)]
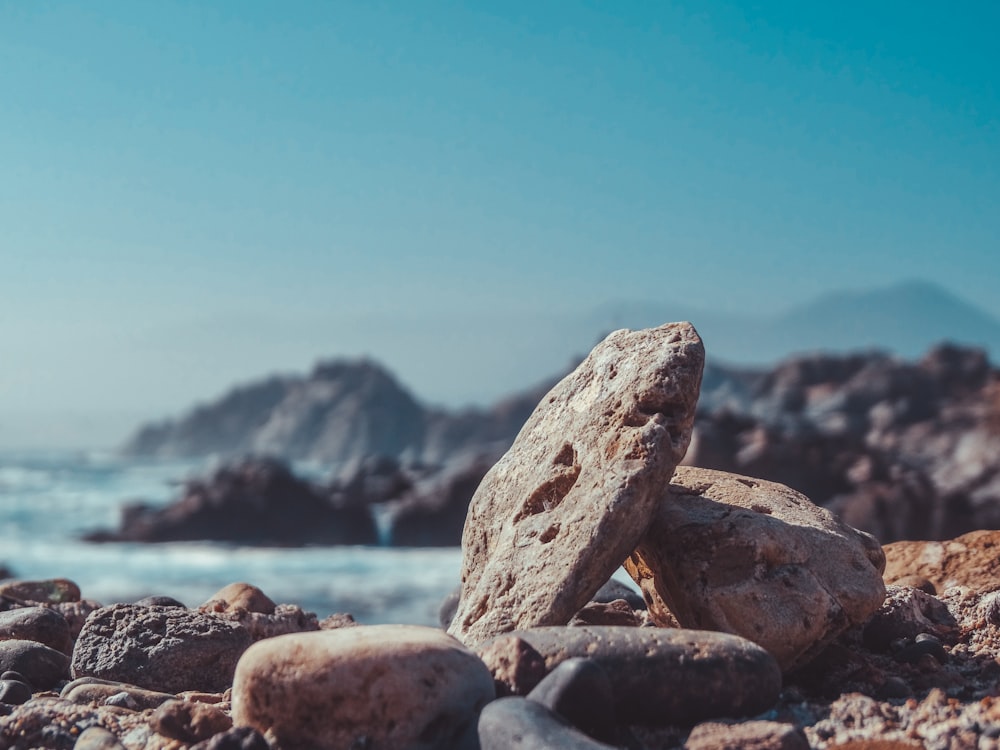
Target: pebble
[(392, 687), (39, 624), (189, 721), (555, 517), (662, 676), (97, 738), (579, 691), (160, 648), (516, 722), (41, 666)]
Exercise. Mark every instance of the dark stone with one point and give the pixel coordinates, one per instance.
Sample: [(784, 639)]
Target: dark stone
[(579, 691), (15, 692), (39, 624), (159, 601), (658, 675), (237, 738), (615, 589), (41, 666), (160, 648), (516, 722), (253, 501)]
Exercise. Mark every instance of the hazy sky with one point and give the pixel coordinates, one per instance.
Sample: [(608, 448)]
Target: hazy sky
[(197, 193)]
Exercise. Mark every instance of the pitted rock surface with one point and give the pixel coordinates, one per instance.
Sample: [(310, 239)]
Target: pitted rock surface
[(391, 687), (554, 518), (971, 560), (741, 555), (160, 648), (661, 676)]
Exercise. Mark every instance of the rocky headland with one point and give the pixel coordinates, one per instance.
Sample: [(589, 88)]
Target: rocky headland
[(766, 620)]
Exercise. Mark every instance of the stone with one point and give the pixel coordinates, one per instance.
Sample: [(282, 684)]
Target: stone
[(41, 666), (379, 686), (617, 612), (237, 738), (159, 601), (516, 722), (189, 721), (160, 648), (741, 555), (662, 676), (554, 518), (516, 665), (579, 691), (748, 735), (93, 691), (14, 692), (52, 591), (286, 618), (614, 590), (239, 597), (97, 738), (905, 614), (39, 624), (971, 560)]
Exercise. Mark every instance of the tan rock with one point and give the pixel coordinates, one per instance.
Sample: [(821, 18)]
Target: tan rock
[(237, 597), (755, 558), (971, 560), (554, 518), (51, 591), (380, 686)]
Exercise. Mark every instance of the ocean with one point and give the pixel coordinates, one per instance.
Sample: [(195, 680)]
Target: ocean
[(49, 499)]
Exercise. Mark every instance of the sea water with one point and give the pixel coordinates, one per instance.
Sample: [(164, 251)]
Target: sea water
[(49, 500)]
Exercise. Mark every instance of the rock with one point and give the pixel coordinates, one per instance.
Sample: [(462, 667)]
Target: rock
[(237, 738), (189, 721), (521, 723), (618, 612), (905, 614), (748, 735), (160, 648), (159, 601), (97, 738), (14, 692), (448, 607), (579, 691), (384, 686), (286, 618), (54, 591), (41, 666), (516, 665), (971, 560), (90, 690), (554, 518), (239, 596), (740, 555), (253, 501), (662, 676), (614, 590), (39, 624)]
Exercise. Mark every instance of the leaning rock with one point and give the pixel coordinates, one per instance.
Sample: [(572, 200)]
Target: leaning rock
[(662, 676), (971, 560), (554, 518), (381, 686), (39, 624), (521, 723), (757, 559), (160, 648)]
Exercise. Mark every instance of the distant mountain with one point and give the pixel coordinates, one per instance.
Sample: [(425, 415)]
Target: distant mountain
[(906, 319)]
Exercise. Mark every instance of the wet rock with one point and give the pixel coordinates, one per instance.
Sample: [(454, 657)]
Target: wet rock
[(189, 721), (516, 722), (662, 676), (97, 738), (41, 666), (52, 591), (748, 735), (579, 691), (160, 648), (237, 738), (386, 686), (93, 691), (971, 560), (740, 555), (39, 624), (554, 518), (239, 597)]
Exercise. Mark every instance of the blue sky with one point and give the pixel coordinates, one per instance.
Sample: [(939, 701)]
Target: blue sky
[(193, 193)]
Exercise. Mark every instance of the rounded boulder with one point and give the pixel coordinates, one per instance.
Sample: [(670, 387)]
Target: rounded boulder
[(379, 686)]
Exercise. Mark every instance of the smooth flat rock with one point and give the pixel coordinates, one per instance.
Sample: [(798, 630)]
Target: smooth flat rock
[(748, 735), (662, 676), (160, 648), (49, 591), (971, 560), (37, 624), (741, 555), (388, 687), (516, 723), (41, 666), (554, 518)]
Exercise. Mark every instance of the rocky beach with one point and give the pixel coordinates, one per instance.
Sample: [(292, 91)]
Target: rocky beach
[(811, 544)]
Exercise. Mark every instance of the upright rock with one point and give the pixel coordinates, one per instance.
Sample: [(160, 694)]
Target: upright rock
[(757, 559), (555, 517)]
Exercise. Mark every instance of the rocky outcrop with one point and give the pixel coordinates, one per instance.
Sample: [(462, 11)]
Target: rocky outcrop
[(555, 517), (254, 501)]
